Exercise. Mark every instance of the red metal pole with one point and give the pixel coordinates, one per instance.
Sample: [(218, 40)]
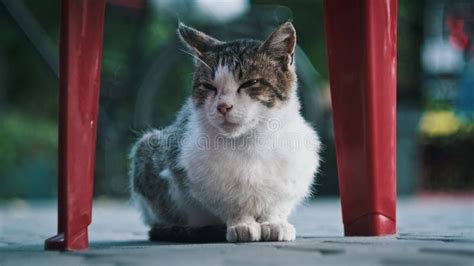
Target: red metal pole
[(82, 23), (361, 38)]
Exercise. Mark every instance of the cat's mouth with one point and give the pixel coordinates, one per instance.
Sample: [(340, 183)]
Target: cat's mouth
[(229, 125)]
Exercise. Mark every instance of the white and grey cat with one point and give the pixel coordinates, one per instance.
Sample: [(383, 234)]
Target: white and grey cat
[(239, 156)]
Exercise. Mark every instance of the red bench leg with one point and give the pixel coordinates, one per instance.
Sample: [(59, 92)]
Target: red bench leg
[(361, 38), (81, 37)]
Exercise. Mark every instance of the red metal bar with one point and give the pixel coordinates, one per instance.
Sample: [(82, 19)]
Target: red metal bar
[(361, 38), (82, 23)]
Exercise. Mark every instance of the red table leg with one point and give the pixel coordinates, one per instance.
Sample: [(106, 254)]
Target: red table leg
[(361, 38), (81, 37)]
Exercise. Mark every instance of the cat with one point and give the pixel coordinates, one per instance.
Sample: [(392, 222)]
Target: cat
[(239, 156)]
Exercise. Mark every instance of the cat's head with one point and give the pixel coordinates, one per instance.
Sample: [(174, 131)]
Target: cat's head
[(238, 83)]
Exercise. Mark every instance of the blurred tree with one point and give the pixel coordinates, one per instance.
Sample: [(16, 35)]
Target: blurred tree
[(410, 40)]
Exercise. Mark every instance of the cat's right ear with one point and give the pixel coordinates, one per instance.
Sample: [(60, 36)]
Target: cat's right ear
[(281, 44), (197, 41)]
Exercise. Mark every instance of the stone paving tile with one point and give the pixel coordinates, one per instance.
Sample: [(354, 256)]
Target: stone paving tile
[(430, 232)]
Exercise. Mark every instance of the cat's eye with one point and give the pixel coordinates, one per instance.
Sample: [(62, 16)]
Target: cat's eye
[(248, 83), (208, 86)]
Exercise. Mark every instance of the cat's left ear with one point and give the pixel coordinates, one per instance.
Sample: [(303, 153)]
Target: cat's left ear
[(281, 44), (195, 40)]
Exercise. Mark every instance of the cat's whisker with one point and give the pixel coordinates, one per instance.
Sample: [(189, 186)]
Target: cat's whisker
[(197, 58)]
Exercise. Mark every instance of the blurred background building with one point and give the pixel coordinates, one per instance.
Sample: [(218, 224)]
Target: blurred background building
[(146, 77)]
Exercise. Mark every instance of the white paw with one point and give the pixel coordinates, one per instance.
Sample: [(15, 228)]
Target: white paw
[(278, 231), (244, 233)]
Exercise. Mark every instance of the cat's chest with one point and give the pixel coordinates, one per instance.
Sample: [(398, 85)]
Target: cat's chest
[(235, 160), (282, 164)]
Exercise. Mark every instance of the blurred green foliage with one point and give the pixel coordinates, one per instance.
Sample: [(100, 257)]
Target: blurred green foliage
[(27, 160)]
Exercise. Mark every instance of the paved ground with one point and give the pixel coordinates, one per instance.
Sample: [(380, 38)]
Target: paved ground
[(430, 232)]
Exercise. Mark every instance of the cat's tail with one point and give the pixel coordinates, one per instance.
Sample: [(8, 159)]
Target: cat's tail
[(187, 234)]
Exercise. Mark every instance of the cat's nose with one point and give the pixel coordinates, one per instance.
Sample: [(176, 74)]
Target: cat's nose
[(224, 108)]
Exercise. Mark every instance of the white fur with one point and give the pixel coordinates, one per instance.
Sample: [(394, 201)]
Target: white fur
[(254, 183)]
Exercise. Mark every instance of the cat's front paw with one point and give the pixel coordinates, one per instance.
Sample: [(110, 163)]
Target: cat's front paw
[(249, 232), (278, 231)]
